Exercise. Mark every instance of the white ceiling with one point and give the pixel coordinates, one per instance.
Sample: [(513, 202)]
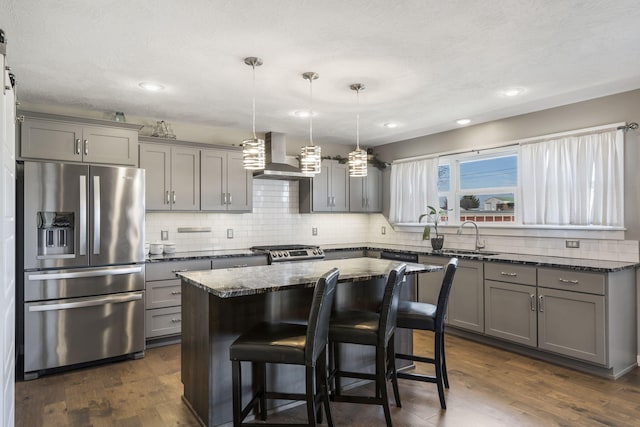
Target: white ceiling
[(425, 63)]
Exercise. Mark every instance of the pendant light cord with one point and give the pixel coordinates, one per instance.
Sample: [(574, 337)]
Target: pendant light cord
[(358, 120), (253, 107), (311, 111)]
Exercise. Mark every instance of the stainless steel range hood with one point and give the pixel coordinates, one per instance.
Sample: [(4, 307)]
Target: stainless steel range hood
[(276, 165)]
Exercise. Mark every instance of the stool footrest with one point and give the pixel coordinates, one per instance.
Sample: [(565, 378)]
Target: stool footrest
[(367, 400), (358, 375), (415, 358), (418, 377)]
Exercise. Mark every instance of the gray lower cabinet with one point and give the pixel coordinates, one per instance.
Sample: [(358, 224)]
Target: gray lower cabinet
[(344, 254), (51, 137), (239, 261), (466, 301), (510, 312), (163, 315), (226, 184), (172, 177), (365, 193)]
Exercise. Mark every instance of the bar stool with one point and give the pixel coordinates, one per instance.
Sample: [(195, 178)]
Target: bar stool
[(373, 329), (292, 344), (429, 317)]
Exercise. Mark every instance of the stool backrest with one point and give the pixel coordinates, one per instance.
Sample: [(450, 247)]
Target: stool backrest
[(318, 325), (445, 290), (389, 310)]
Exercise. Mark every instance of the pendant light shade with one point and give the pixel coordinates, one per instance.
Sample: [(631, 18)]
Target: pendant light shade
[(253, 156), (358, 157), (310, 157)]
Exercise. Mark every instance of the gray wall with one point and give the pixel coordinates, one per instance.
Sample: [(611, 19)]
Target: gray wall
[(623, 107)]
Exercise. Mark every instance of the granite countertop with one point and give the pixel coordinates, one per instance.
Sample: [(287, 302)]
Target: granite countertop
[(236, 282)]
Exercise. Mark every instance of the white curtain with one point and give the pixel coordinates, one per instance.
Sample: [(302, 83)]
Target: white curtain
[(576, 180), (414, 185)]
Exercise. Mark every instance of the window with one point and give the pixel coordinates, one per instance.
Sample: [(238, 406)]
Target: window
[(479, 188)]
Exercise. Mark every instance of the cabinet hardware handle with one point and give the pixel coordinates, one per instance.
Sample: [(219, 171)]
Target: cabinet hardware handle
[(168, 197), (328, 200), (78, 146), (86, 147), (229, 198), (504, 273), (240, 265), (176, 320), (173, 193), (333, 201), (573, 282), (224, 198), (179, 271), (541, 303), (533, 302), (176, 292)]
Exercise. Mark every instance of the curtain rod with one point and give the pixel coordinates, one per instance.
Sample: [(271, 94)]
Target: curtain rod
[(517, 142)]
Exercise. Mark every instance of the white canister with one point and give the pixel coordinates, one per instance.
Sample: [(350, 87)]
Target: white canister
[(156, 248), (169, 248)]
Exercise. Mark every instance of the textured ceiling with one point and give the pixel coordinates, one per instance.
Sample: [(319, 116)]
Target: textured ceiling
[(425, 63)]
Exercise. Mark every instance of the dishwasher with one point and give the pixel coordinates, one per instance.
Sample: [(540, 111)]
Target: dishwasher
[(409, 284)]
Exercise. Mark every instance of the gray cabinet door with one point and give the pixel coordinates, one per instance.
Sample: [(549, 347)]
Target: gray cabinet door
[(466, 302), (185, 179), (239, 184), (110, 145), (572, 324), (155, 159), (365, 192), (339, 187), (322, 188), (47, 139), (510, 312), (213, 180)]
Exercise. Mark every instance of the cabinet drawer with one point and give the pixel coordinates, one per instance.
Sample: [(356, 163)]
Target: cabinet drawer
[(163, 321), (164, 270), (239, 261), (512, 273), (570, 280), (164, 293)]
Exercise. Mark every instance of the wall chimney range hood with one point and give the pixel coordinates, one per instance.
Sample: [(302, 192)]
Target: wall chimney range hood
[(276, 167)]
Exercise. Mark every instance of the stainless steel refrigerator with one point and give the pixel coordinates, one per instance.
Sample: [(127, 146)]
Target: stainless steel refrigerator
[(81, 255)]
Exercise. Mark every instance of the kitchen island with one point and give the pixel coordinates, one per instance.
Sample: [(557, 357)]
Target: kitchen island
[(219, 305)]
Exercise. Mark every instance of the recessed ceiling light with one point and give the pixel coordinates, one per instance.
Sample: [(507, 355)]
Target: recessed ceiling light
[(151, 87), (512, 91), (463, 122), (390, 125), (303, 113)]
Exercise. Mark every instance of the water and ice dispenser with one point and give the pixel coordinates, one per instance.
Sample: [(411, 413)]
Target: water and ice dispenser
[(56, 234)]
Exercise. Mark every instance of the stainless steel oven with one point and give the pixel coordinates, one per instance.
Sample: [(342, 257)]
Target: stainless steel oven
[(290, 253)]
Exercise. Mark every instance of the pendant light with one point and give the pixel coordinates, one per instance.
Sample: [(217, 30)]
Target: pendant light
[(253, 157), (310, 156), (358, 157)]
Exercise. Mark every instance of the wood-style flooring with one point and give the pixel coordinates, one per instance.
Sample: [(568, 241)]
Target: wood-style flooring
[(489, 387)]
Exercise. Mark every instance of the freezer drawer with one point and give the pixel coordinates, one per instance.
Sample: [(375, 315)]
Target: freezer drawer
[(69, 331), (82, 282)]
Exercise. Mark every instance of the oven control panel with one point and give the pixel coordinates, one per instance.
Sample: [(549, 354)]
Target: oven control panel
[(296, 254)]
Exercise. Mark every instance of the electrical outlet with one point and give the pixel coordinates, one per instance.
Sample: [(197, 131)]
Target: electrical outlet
[(229, 233), (383, 230), (164, 235), (572, 243), (314, 231)]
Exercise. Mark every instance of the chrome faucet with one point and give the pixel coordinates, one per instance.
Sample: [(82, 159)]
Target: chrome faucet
[(478, 244)]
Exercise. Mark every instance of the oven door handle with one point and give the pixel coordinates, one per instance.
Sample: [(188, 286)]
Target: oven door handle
[(82, 274), (89, 303)]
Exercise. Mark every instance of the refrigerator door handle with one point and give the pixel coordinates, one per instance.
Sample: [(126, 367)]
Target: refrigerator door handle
[(89, 303), (83, 215), (96, 215), (88, 273)]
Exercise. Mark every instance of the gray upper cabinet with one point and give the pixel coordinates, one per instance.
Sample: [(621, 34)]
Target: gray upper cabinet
[(172, 177), (60, 138), (466, 301), (328, 191), (365, 193), (226, 185)]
